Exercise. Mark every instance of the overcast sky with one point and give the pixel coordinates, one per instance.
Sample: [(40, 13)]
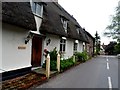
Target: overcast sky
[(93, 15)]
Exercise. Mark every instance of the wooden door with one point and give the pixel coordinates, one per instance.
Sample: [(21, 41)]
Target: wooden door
[(36, 51)]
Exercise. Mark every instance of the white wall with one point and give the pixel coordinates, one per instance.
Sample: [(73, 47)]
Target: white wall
[(12, 57), (0, 47), (55, 42), (69, 48), (80, 46)]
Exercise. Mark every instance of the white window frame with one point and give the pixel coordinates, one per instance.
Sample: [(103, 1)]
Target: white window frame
[(62, 45), (65, 24), (75, 46), (78, 30), (83, 46), (37, 9)]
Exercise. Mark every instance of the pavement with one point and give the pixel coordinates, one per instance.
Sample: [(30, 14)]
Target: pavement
[(100, 72)]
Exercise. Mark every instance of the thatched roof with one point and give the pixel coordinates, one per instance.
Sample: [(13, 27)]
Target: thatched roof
[(20, 14), (88, 35), (52, 22)]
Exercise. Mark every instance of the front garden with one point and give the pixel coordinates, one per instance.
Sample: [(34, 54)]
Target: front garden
[(78, 57), (33, 79)]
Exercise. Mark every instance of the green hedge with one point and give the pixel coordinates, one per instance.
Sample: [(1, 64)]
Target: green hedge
[(53, 65), (64, 64), (81, 56)]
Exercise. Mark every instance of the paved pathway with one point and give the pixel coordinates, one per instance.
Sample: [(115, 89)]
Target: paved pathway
[(100, 72)]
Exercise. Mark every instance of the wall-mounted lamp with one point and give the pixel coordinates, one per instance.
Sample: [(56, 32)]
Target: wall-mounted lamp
[(76, 41), (83, 43), (29, 36), (48, 42), (64, 38)]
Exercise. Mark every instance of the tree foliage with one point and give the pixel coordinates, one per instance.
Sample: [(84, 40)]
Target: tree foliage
[(97, 43), (113, 30), (117, 48)]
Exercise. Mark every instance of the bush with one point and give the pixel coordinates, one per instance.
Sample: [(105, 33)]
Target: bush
[(81, 56), (65, 64), (53, 60), (53, 65), (117, 48), (53, 54)]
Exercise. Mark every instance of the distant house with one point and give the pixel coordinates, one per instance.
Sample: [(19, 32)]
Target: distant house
[(30, 27), (90, 45), (109, 49)]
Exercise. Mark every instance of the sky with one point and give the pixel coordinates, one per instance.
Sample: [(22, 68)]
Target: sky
[(93, 15)]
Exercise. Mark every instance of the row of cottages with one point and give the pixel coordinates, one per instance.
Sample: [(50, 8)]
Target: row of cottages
[(30, 27)]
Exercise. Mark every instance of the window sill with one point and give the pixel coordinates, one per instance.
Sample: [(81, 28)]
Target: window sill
[(38, 16)]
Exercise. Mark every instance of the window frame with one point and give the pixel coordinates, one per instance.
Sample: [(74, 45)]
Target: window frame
[(78, 30), (62, 45), (75, 47), (37, 9), (64, 23)]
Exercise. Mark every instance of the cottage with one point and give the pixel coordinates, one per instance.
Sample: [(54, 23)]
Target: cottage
[(30, 27), (90, 45)]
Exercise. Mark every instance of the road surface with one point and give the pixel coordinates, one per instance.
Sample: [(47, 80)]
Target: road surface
[(100, 72)]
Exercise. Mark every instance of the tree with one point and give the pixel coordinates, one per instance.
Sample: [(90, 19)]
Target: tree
[(117, 48), (113, 30), (97, 43)]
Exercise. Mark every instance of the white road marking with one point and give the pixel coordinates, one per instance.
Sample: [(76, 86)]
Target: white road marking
[(109, 83), (107, 65), (107, 59)]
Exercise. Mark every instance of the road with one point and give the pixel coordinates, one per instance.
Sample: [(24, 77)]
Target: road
[(100, 72)]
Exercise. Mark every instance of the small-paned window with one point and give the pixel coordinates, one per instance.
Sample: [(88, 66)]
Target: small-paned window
[(75, 47), (37, 9), (65, 24), (78, 30), (62, 45)]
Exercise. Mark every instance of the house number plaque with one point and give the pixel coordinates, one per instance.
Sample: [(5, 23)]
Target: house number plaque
[(21, 47)]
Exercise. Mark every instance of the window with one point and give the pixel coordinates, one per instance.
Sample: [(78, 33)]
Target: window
[(75, 47), (83, 46), (37, 9), (64, 22), (78, 30), (62, 45)]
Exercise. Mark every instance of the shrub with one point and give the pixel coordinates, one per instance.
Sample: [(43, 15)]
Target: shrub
[(53, 54), (53, 65), (53, 60), (117, 48), (65, 64), (81, 56)]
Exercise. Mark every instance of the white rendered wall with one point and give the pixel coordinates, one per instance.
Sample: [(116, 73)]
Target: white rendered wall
[(80, 46), (55, 42), (69, 48), (12, 57), (0, 47)]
